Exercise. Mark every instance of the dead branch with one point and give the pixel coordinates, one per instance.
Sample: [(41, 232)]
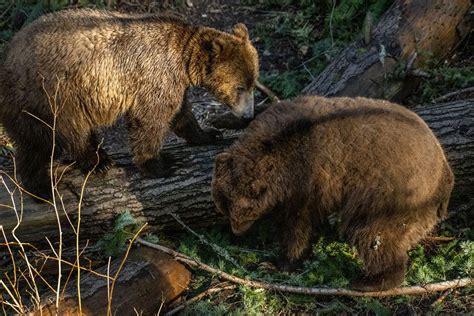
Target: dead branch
[(440, 299), (219, 287), (409, 290), (453, 94), (269, 93), (439, 238)]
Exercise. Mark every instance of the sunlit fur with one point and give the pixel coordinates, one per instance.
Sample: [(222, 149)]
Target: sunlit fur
[(371, 169), (108, 64)]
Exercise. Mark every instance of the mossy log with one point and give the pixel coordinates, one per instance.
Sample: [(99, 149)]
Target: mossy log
[(187, 192), (410, 35)]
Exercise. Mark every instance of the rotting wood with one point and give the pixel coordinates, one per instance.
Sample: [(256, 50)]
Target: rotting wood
[(149, 278)]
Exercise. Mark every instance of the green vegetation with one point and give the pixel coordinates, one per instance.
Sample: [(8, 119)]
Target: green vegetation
[(306, 27), (115, 242), (444, 80), (316, 30), (332, 263)]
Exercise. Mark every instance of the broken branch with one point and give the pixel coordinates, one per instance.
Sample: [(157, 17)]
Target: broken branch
[(409, 290)]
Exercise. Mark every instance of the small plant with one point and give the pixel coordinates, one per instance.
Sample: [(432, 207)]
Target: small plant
[(115, 242)]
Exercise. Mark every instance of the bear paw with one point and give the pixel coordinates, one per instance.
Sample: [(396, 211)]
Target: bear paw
[(156, 168), (206, 136), (90, 163), (378, 283), (227, 121), (286, 265)]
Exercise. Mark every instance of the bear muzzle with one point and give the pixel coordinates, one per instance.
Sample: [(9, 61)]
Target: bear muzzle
[(245, 106), (240, 228)]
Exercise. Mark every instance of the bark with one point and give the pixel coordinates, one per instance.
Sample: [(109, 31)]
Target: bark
[(187, 192), (412, 33), (148, 280)]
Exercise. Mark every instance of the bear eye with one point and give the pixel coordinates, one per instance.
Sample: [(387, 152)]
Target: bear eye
[(257, 191), (241, 89)]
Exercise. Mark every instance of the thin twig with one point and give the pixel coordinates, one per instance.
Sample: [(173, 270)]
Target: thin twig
[(10, 252), (453, 94), (409, 290), (111, 295), (330, 22), (439, 238), (440, 299), (218, 250), (273, 97), (219, 287)]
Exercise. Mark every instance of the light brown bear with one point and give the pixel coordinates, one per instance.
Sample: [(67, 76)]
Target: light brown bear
[(94, 66), (373, 165)]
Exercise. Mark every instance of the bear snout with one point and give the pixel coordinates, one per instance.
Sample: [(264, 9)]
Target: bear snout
[(240, 228)]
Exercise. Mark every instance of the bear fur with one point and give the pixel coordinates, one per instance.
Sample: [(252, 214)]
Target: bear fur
[(91, 66), (373, 167)]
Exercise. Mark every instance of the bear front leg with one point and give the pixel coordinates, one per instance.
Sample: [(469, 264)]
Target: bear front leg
[(32, 164), (93, 156), (186, 126), (295, 239), (146, 135)]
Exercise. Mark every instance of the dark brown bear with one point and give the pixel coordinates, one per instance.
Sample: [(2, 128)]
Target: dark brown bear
[(374, 166), (98, 65)]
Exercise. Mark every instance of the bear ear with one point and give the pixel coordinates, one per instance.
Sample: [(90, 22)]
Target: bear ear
[(217, 46), (241, 31), (223, 161), (269, 167)]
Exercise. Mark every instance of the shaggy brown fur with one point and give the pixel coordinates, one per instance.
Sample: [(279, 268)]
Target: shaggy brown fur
[(108, 64), (374, 166)]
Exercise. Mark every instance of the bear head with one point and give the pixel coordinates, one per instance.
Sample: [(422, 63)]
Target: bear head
[(233, 70), (243, 189)]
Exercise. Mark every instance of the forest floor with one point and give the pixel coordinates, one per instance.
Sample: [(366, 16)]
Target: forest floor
[(294, 45)]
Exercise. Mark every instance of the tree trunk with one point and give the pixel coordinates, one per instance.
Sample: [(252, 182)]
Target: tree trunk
[(409, 35), (187, 192), (453, 124)]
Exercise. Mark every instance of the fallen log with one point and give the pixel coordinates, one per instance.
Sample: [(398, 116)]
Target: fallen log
[(411, 34), (149, 280), (187, 192)]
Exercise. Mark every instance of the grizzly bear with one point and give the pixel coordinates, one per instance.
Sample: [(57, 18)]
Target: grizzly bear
[(91, 66), (374, 166)]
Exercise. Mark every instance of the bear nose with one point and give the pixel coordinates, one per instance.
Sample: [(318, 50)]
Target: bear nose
[(247, 116)]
